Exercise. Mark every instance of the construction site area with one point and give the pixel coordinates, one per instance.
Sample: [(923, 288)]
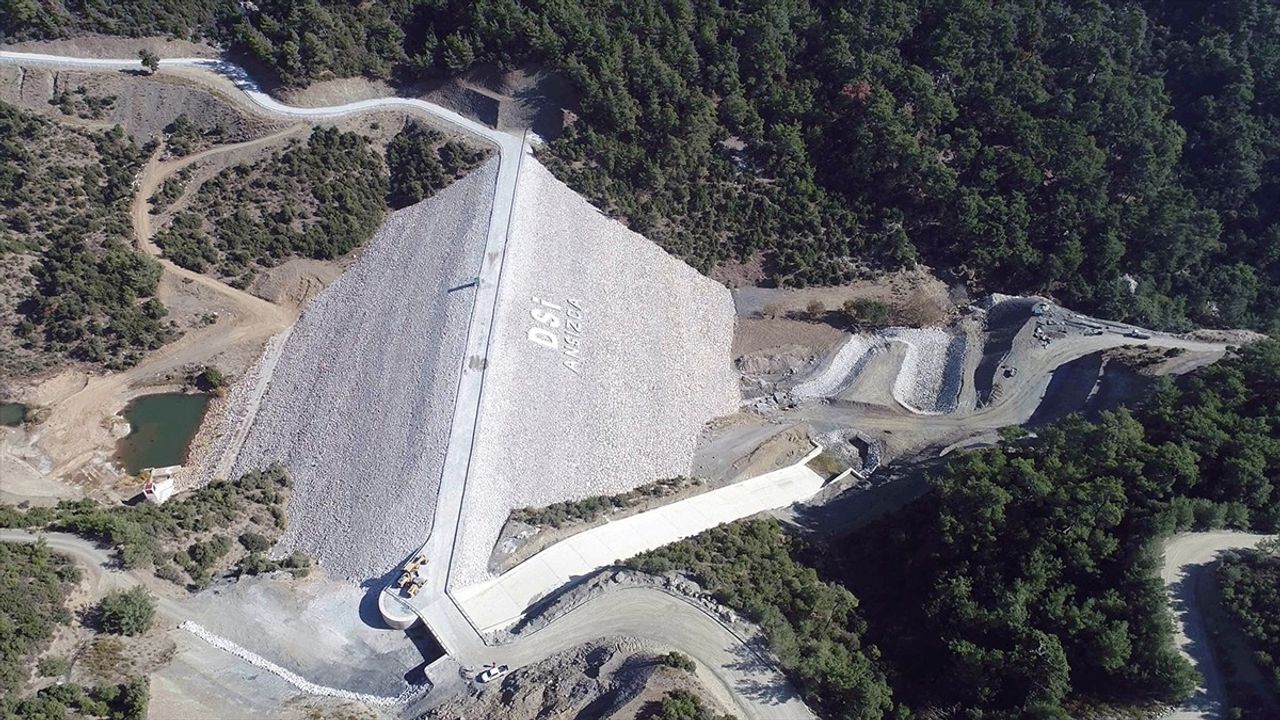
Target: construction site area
[(504, 345)]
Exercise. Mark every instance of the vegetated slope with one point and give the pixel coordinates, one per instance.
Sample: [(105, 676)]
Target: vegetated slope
[(422, 162), (72, 287), (1030, 568), (814, 627), (1024, 584), (25, 20), (320, 199), (224, 527), (34, 583), (970, 134), (1250, 582)]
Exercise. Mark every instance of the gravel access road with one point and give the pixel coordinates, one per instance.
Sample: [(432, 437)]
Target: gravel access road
[(1188, 560)]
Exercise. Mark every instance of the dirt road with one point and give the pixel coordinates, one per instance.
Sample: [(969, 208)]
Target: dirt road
[(156, 171), (1188, 564), (98, 567), (734, 673), (77, 429), (737, 677)]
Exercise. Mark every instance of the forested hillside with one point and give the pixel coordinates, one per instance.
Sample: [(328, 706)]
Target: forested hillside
[(814, 627), (68, 269), (1250, 582), (980, 137), (1031, 568), (1025, 583)]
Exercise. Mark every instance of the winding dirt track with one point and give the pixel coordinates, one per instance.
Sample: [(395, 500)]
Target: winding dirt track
[(156, 171), (1188, 560), (244, 320)]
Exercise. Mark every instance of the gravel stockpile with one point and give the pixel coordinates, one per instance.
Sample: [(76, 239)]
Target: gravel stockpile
[(929, 380), (953, 368), (358, 408), (607, 358), (842, 369)]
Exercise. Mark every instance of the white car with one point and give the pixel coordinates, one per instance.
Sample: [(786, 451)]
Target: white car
[(491, 673)]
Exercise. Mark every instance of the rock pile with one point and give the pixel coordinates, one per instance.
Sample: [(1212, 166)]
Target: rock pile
[(359, 405), (842, 369), (607, 358), (930, 377)]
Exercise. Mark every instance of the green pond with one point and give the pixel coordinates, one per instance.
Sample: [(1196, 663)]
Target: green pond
[(162, 428), (12, 413)]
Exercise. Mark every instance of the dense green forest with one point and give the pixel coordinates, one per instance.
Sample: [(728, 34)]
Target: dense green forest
[(1250, 582), (814, 627), (1025, 583), (1031, 573), (1033, 566), (64, 214), (818, 135), (422, 163)]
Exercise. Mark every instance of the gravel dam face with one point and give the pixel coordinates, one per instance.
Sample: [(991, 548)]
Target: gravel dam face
[(607, 358), (359, 406)]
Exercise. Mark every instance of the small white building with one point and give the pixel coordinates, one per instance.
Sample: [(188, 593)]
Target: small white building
[(159, 487)]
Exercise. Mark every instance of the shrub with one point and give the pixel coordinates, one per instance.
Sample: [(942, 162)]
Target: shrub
[(677, 660), (210, 380), (866, 313), (255, 542), (684, 705), (127, 612), (52, 666)]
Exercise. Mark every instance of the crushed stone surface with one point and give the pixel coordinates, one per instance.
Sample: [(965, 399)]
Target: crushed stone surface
[(359, 405), (929, 380), (607, 359), (841, 370), (931, 367)]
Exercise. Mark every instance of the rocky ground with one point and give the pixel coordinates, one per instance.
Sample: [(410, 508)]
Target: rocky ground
[(359, 405), (608, 357), (143, 107), (614, 679)]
